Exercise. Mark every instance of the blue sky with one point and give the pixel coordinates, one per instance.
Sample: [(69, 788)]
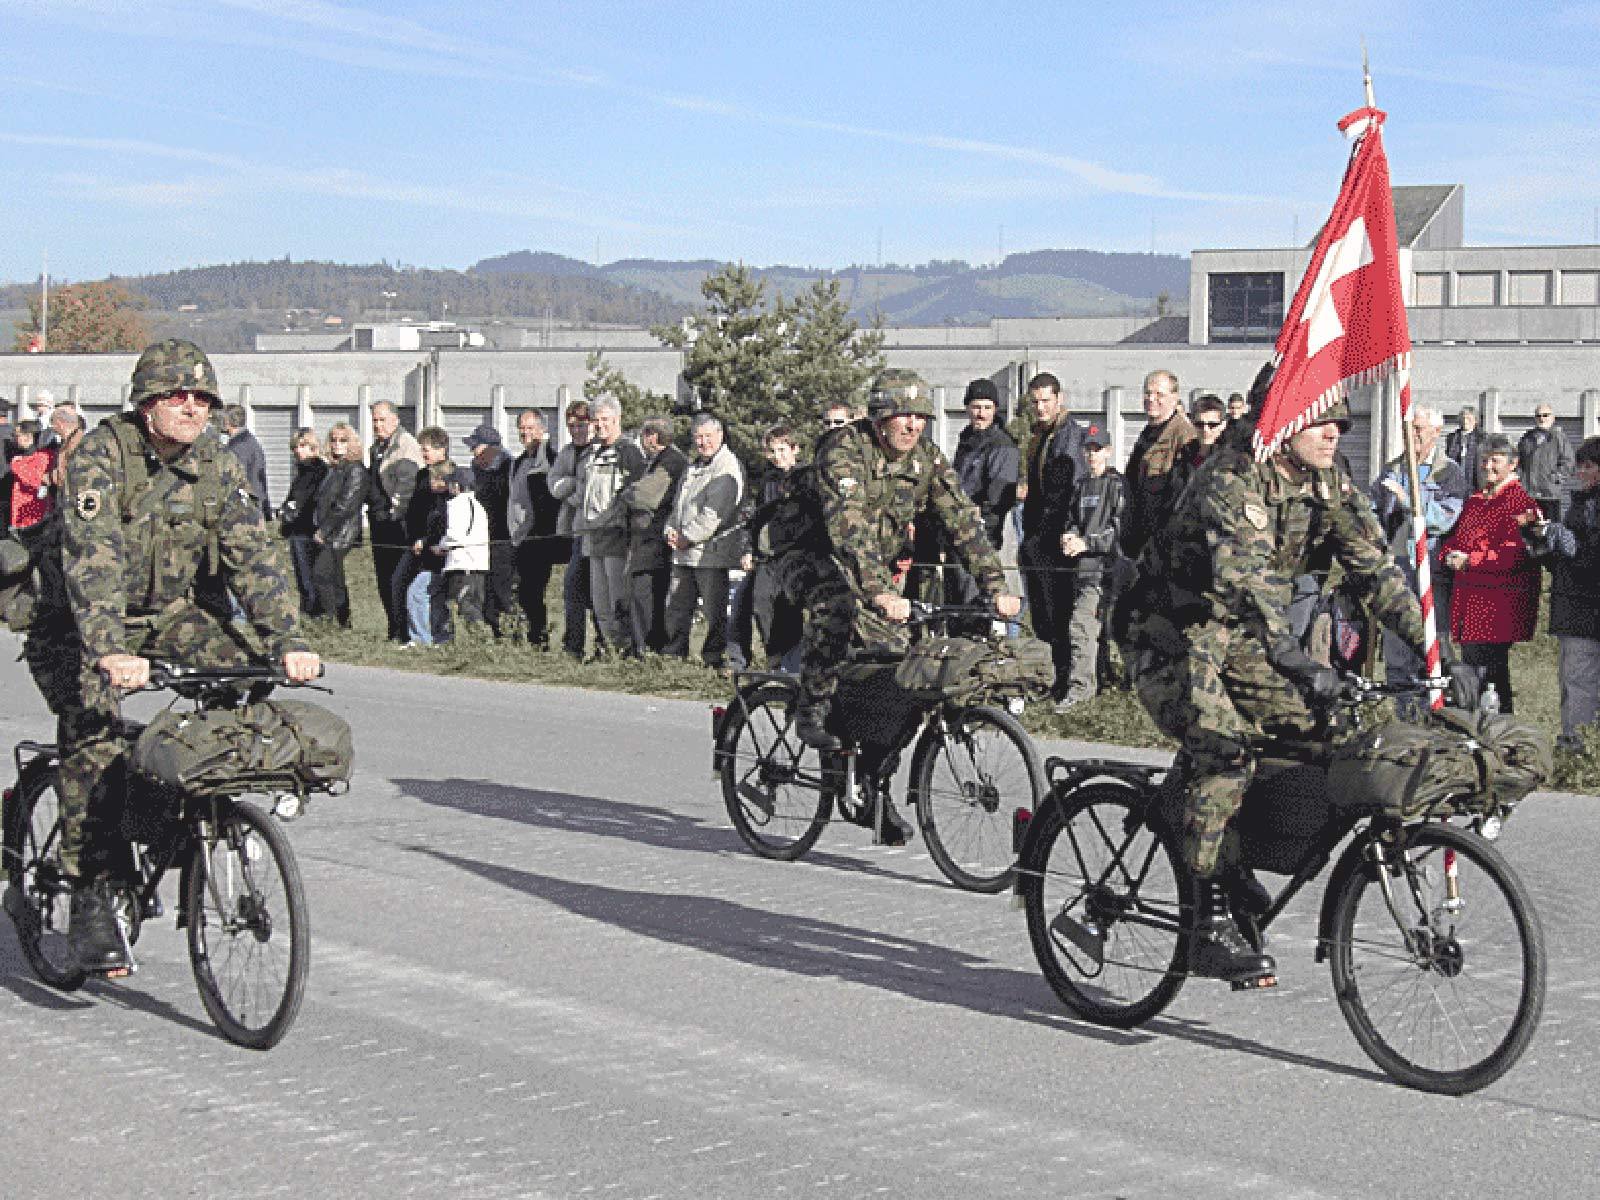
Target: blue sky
[(140, 135)]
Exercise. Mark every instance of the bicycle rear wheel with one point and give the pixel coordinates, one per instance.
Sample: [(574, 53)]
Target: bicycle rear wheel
[(774, 786), (1104, 893), (38, 896), (249, 930), (1444, 990), (970, 775)]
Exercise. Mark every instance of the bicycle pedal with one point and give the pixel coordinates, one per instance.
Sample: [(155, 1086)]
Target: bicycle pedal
[(115, 972), (1259, 984)]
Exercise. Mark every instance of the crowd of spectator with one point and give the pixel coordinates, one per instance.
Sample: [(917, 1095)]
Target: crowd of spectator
[(655, 538)]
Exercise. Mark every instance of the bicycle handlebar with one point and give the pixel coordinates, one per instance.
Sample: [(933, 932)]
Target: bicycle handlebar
[(164, 675)]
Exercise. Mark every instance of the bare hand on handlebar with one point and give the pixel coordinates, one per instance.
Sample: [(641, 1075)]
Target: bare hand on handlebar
[(130, 672)]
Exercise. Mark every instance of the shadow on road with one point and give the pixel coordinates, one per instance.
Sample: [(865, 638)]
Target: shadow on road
[(802, 945), (646, 824), (18, 979)]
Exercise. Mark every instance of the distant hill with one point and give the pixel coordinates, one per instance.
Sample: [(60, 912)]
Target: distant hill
[(1039, 283), (225, 306)]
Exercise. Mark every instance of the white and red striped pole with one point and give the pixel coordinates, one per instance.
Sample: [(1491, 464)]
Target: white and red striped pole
[(1419, 551)]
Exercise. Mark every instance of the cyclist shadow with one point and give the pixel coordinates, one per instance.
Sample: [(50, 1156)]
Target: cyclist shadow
[(1201, 1034), (801, 945), (645, 824), (17, 978)]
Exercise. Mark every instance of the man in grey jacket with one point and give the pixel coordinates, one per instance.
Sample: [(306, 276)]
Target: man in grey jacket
[(244, 446), (705, 542), (602, 521)]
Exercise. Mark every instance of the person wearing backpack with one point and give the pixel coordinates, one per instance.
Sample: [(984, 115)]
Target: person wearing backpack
[(159, 527)]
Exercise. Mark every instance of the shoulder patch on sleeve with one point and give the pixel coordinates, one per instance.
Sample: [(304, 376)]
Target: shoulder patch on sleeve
[(89, 504), (1256, 515)]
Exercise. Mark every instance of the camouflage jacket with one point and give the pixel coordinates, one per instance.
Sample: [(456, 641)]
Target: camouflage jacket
[(1245, 530), (143, 539), (868, 504)]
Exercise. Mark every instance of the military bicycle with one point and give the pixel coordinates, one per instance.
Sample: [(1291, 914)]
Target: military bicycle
[(1436, 952), (240, 900), (973, 767)]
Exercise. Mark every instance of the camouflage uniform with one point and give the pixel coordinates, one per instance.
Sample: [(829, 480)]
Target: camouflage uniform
[(1205, 649), (150, 550), (868, 503)]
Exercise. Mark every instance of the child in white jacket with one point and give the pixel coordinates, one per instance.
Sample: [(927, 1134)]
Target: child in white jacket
[(466, 554)]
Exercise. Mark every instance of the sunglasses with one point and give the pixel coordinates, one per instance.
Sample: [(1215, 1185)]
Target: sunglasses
[(835, 422)]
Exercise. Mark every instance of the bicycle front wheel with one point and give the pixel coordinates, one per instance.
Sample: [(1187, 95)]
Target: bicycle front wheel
[(971, 774), (38, 896), (774, 786), (1438, 960), (249, 930), (1104, 893)]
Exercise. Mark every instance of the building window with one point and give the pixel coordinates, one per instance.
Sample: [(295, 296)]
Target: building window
[(1477, 288), (1245, 306), (1580, 287), (1428, 291), (1529, 287)]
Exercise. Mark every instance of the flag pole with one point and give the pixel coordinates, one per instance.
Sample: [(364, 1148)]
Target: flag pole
[(1401, 387)]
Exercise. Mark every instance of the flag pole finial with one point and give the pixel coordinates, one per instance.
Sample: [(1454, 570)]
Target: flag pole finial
[(1366, 75)]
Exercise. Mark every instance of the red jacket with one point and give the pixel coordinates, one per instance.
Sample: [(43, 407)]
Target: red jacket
[(31, 470), (1495, 597)]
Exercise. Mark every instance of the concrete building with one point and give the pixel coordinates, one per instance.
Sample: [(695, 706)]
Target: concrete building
[(1499, 328)]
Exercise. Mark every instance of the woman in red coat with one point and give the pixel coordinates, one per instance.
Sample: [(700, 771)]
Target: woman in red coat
[(1494, 599)]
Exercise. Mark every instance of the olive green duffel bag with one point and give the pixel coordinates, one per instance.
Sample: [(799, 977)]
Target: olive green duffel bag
[(950, 668), (288, 744)]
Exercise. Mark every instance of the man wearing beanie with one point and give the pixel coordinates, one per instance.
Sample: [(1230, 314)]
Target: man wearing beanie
[(986, 459)]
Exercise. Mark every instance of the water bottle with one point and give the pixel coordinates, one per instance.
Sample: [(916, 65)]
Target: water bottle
[(1489, 702)]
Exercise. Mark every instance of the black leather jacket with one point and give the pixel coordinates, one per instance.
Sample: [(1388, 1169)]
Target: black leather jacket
[(339, 504)]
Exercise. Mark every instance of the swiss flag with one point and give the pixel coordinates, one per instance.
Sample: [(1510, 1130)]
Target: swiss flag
[(1347, 325)]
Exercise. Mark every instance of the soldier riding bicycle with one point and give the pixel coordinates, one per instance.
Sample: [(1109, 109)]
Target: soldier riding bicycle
[(159, 530), (835, 547)]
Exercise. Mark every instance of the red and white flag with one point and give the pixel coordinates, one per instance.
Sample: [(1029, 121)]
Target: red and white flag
[(1347, 325)]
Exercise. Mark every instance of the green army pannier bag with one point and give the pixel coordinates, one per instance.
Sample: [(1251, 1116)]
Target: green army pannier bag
[(288, 744), (946, 668), (1457, 763)]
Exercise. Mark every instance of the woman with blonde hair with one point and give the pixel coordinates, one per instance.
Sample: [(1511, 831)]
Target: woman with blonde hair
[(295, 517), (337, 520)]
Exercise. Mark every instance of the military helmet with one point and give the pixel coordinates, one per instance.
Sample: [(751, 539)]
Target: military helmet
[(1337, 412), (899, 391), (173, 366)]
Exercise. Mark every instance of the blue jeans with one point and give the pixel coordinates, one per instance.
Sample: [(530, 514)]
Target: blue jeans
[(301, 552), (425, 608)]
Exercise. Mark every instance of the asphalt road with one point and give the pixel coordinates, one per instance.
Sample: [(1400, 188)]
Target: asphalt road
[(543, 965)]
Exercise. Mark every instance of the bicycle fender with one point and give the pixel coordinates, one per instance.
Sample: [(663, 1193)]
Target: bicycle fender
[(1352, 860), (1060, 792)]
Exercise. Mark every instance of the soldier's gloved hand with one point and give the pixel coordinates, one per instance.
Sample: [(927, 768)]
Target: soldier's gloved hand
[(1318, 682)]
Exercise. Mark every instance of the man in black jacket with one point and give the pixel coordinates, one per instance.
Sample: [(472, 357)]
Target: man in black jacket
[(531, 513), (1461, 447), (1545, 460), (1089, 541), (987, 460), (1054, 464), (242, 444), (491, 483)]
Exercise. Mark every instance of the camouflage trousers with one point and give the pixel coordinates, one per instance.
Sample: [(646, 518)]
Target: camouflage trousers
[(838, 621), (91, 736), (1222, 700)]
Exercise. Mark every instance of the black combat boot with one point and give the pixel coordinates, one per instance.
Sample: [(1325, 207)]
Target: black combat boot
[(1219, 950), (811, 724), (896, 829), (93, 933)]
